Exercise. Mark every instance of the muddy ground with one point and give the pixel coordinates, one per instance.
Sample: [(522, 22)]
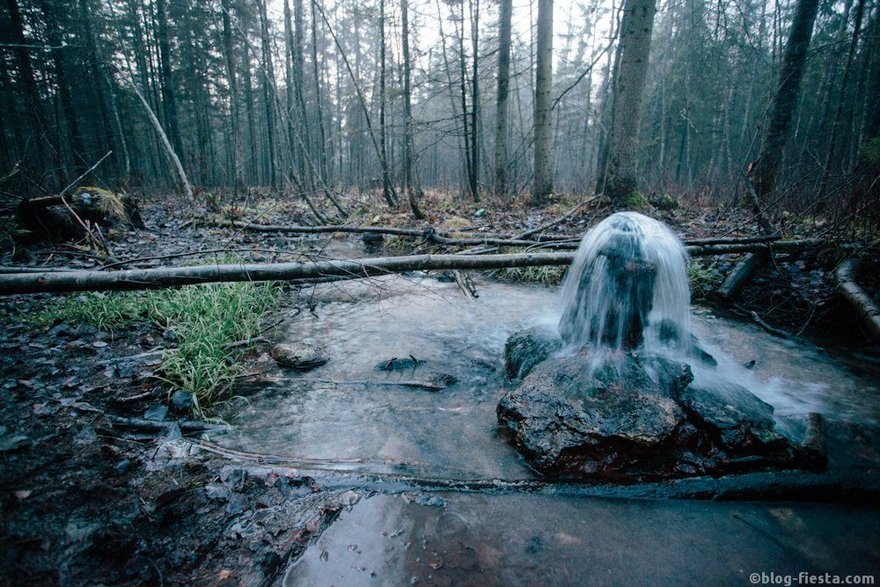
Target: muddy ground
[(85, 498)]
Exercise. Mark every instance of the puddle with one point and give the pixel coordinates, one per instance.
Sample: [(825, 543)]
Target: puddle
[(536, 540), (453, 433)]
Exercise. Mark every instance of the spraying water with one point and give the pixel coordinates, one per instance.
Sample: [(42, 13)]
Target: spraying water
[(627, 287)]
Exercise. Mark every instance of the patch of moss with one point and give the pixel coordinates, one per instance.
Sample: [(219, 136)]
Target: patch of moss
[(664, 202), (703, 279), (634, 201)]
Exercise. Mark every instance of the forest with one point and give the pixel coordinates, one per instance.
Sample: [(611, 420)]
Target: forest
[(453, 292), (316, 101)]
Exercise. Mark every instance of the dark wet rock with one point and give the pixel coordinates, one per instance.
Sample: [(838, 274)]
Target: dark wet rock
[(63, 330), (741, 418), (396, 364), (10, 442), (301, 357), (373, 242), (182, 401), (628, 417), (446, 277), (157, 413), (527, 348), (217, 491), (668, 333), (565, 417), (123, 466)]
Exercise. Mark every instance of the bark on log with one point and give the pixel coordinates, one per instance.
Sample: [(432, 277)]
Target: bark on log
[(135, 279), (867, 309), (740, 274), (139, 279)]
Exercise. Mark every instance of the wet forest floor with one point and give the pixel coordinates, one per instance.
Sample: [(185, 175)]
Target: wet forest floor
[(96, 489)]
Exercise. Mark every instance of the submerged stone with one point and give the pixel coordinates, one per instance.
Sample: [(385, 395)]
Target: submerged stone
[(301, 357)]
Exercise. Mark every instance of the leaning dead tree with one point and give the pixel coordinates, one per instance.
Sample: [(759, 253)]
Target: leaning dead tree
[(185, 186), (139, 279)]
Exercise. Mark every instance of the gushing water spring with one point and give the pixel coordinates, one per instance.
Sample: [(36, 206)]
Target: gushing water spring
[(627, 287)]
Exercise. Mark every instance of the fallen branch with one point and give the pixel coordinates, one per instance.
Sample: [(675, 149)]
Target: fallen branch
[(552, 223), (159, 277), (559, 241), (771, 329), (145, 425), (293, 229), (401, 383), (867, 309)]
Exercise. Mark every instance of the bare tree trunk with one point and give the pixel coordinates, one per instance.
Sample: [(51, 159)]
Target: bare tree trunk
[(169, 99), (475, 98), (621, 176), (543, 185), (465, 122), (53, 35), (319, 109), (764, 171), (33, 107), (410, 188), (383, 152), (268, 76), (501, 107), (229, 60), (361, 100), (836, 129)]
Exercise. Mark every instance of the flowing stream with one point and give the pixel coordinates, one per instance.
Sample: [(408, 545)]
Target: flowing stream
[(339, 417)]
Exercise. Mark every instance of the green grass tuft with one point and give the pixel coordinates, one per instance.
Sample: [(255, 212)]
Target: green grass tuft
[(204, 319), (546, 276)]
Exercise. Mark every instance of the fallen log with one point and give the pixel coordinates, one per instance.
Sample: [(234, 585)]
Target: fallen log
[(740, 274), (294, 229), (135, 279), (139, 279), (559, 241), (867, 309)]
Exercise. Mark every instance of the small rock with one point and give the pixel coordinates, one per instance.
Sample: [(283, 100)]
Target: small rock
[(123, 466), (157, 413), (182, 401), (9, 443), (396, 364), (431, 501), (62, 330), (480, 213), (301, 357), (217, 492)]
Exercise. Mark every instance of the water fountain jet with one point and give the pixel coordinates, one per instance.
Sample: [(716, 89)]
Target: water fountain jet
[(611, 393)]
